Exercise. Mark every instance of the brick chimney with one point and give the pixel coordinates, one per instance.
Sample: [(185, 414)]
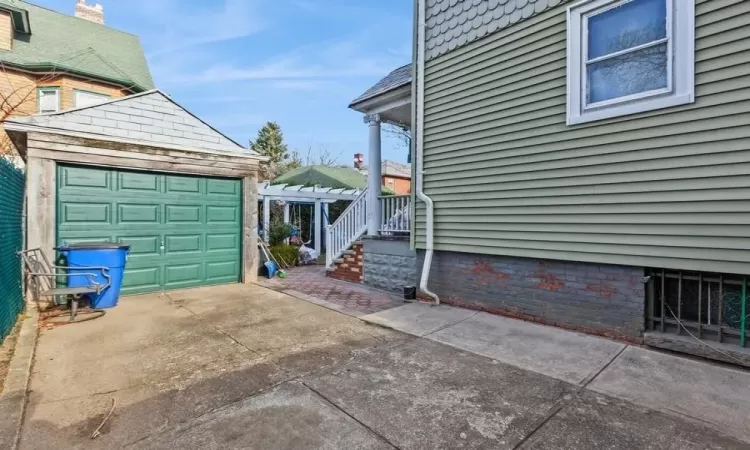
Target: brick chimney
[(93, 13), (359, 161)]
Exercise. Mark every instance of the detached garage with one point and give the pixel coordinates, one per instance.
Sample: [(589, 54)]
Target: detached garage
[(143, 171)]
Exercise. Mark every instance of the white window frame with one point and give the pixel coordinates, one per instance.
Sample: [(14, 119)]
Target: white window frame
[(56, 90), (76, 92), (680, 40)]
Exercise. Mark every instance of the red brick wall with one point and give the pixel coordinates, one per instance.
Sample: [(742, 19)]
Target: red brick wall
[(352, 267)]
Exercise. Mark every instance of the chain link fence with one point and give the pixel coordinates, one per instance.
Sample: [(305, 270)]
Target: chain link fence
[(12, 181)]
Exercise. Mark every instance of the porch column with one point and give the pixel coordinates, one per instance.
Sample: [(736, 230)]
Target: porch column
[(373, 175), (318, 210)]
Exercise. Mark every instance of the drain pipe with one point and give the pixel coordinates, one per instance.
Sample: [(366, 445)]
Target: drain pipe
[(419, 150)]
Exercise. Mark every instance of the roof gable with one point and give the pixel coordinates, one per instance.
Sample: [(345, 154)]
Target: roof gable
[(396, 79), (149, 118), (70, 44)]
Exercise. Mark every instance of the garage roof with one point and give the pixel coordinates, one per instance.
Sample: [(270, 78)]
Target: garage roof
[(148, 118)]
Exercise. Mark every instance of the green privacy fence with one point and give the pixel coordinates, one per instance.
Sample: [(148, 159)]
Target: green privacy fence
[(11, 242)]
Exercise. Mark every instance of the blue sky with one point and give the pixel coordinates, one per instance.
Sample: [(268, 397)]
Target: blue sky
[(240, 63)]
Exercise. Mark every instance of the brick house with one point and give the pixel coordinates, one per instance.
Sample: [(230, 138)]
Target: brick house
[(396, 177), (52, 61)]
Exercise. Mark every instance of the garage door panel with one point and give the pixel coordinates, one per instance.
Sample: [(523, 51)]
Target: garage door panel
[(183, 214), (183, 273), (78, 177), (182, 185), (89, 213), (140, 182), (222, 214), (220, 271), (223, 187), (183, 231), (141, 245), (219, 242), (183, 244), (128, 213), (143, 279)]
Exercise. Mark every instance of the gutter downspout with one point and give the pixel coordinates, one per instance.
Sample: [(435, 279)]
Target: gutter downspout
[(419, 150)]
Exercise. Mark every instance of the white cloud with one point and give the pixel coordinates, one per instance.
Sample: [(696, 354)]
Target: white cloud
[(187, 26)]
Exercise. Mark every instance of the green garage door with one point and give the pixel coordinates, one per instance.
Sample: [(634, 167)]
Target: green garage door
[(184, 231)]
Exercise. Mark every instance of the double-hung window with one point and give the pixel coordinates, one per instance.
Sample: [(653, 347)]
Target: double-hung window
[(48, 99), (629, 56), (82, 99)]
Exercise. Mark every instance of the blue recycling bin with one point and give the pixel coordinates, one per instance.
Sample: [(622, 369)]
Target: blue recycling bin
[(97, 254)]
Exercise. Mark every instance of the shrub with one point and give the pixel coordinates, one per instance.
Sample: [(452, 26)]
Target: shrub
[(285, 254)]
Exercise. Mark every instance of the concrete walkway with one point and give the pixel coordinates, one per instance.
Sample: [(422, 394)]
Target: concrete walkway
[(244, 367), (698, 390)]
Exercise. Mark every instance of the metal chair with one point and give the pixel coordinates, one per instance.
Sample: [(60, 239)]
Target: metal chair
[(43, 277)]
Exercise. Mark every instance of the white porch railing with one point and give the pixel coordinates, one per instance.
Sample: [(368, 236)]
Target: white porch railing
[(395, 214), (348, 228)]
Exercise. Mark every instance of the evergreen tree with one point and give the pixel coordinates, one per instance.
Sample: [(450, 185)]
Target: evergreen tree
[(270, 142)]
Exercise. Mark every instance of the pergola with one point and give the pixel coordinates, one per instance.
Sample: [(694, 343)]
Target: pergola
[(320, 196)]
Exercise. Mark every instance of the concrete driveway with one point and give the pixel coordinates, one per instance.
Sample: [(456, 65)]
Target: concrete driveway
[(247, 367)]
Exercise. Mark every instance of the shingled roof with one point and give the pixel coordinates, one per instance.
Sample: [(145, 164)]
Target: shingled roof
[(394, 80), (148, 118), (70, 44)]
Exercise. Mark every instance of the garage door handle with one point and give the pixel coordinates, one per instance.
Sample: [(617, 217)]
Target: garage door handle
[(161, 247)]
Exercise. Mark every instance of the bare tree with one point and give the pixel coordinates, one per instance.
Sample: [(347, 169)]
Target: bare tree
[(400, 132), (325, 158)]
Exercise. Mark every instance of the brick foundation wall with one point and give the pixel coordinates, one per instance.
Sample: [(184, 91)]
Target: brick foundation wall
[(601, 299), (351, 267)]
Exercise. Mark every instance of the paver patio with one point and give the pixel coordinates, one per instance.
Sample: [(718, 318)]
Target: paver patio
[(350, 298), (248, 367)]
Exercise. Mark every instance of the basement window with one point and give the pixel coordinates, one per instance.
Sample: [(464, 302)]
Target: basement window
[(48, 99), (629, 56)]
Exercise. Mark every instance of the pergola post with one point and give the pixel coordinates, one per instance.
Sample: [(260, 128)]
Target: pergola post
[(286, 218), (374, 175), (327, 224), (318, 209), (266, 219)]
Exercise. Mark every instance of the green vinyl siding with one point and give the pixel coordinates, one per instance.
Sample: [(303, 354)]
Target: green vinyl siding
[(196, 220), (666, 188)]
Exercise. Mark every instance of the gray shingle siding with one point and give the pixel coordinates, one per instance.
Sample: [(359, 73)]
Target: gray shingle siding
[(149, 118), (452, 24)]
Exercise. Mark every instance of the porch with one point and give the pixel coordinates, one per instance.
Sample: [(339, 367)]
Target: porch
[(373, 213)]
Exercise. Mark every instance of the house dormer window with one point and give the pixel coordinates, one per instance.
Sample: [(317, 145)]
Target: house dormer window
[(48, 99), (629, 56)]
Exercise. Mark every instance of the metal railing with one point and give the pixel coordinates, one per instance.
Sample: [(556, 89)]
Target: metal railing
[(348, 228), (712, 307), (395, 214)]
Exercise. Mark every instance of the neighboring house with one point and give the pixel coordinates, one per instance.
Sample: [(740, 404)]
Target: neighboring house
[(588, 163), (53, 62), (396, 177)]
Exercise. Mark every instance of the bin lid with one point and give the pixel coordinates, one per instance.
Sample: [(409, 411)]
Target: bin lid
[(93, 246)]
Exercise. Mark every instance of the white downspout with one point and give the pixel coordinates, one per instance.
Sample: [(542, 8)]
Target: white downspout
[(419, 150)]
